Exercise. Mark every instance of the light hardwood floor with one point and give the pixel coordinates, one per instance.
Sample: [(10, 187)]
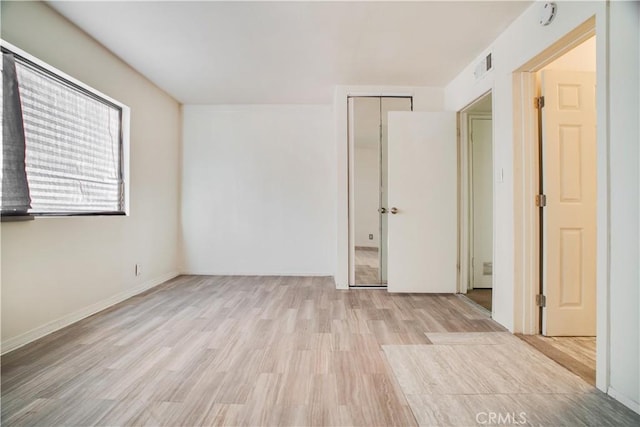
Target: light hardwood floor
[(230, 351), (577, 354), (461, 378), (481, 297), (202, 350)]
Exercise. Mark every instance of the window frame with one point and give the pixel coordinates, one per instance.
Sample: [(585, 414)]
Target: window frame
[(125, 122)]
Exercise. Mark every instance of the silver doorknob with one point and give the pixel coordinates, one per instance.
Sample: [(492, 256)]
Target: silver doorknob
[(382, 210), (394, 211)]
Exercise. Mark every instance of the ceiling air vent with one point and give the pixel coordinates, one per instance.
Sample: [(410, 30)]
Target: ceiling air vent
[(483, 67)]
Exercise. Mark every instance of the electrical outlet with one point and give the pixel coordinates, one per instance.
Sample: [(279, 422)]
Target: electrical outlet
[(370, 236), (138, 270)]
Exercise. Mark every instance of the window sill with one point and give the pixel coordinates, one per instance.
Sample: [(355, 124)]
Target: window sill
[(17, 218), (67, 214)]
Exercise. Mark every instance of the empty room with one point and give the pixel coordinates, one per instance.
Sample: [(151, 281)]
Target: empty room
[(296, 213)]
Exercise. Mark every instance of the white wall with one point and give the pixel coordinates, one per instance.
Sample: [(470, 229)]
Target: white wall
[(257, 190), (618, 197), (520, 42), (424, 99), (624, 181), (57, 270)]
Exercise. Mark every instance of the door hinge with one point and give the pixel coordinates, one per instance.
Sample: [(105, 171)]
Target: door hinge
[(539, 102), (541, 300), (541, 200)]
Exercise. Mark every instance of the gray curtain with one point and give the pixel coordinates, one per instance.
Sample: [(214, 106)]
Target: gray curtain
[(15, 190)]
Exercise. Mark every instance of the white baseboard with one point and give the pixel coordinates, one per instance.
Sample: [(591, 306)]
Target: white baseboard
[(39, 332), (629, 403), (253, 273)]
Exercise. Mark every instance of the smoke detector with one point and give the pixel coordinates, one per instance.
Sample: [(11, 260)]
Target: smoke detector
[(547, 13)]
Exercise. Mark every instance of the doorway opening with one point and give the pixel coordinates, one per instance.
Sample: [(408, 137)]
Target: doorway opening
[(559, 201), (476, 204), (368, 184), (567, 134)]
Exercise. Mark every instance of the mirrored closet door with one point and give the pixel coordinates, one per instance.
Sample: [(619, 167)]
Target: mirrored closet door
[(368, 199)]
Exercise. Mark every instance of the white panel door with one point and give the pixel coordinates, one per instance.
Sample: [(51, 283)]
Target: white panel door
[(569, 219), (482, 193), (422, 238), (387, 105)]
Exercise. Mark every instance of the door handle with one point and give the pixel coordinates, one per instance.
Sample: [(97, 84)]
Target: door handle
[(382, 210), (394, 211)]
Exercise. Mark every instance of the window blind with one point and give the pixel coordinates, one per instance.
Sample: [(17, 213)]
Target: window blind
[(73, 155), (15, 190)]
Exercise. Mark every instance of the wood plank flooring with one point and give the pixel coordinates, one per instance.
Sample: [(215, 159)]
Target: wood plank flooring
[(201, 350), (461, 378), (577, 354), (482, 297), (263, 351)]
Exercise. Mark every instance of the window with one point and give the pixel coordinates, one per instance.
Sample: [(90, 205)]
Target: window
[(63, 143)]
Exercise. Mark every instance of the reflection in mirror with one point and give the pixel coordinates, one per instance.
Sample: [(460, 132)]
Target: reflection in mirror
[(368, 131), (366, 217)]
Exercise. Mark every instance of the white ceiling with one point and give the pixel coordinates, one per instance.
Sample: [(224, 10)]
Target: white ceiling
[(291, 52)]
